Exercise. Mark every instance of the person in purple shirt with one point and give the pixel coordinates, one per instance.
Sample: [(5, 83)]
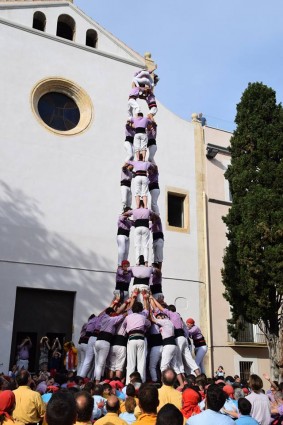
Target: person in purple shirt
[(151, 141), (91, 332), (153, 187), (140, 140), (199, 342), (123, 236), (156, 283), (23, 353), (109, 321), (143, 78), (151, 103), (133, 106), (141, 218), (155, 346), (125, 186), (129, 140), (140, 169), (123, 280), (157, 240)]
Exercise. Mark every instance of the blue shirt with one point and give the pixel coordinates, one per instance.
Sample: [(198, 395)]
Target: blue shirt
[(128, 417), (210, 417), (246, 420)]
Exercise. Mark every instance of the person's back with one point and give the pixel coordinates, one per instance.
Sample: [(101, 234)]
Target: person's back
[(167, 393), (61, 409), (148, 403), (215, 399), (84, 403), (112, 407), (245, 418), (260, 402), (29, 405), (128, 415)]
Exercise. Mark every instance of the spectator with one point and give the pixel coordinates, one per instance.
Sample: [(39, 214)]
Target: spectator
[(113, 409), (7, 404), (245, 408), (215, 399), (167, 393), (128, 415), (191, 398), (23, 353), (259, 401), (99, 402), (85, 403), (29, 408), (61, 409), (169, 414), (148, 403)]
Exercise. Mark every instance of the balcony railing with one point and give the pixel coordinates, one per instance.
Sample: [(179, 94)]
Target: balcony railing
[(250, 335)]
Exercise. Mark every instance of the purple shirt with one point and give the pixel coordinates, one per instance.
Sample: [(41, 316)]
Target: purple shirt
[(167, 328), (124, 222), (123, 277), (175, 318), (92, 325), (140, 213), (108, 323), (195, 333), (141, 272), (136, 322), (134, 92), (156, 277), (126, 174), (140, 122), (140, 165), (150, 98), (23, 352), (153, 175), (129, 130), (156, 226)]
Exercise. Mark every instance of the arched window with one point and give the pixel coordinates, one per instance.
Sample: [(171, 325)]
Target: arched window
[(66, 27), (39, 21), (91, 38)]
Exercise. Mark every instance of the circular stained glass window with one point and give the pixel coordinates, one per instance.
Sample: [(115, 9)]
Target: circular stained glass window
[(58, 111)]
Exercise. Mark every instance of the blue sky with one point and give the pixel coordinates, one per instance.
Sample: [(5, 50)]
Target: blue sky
[(207, 52)]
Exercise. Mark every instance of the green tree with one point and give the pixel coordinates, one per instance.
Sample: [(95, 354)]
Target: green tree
[(253, 261)]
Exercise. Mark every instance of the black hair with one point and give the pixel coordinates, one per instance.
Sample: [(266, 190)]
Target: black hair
[(89, 386), (109, 310), (169, 414), (130, 390), (23, 378), (91, 316), (84, 409), (148, 398), (215, 398), (98, 389), (61, 409), (172, 308), (244, 406), (137, 307), (140, 114)]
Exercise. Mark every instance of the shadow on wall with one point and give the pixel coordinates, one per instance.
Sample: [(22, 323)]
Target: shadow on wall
[(34, 257)]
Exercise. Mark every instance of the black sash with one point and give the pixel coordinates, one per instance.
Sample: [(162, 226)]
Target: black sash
[(154, 340), (151, 142), (179, 332), (104, 336), (129, 139), (153, 185), (140, 130), (141, 281), (157, 235), (123, 232), (142, 222), (169, 341), (120, 340), (156, 289), (122, 286), (126, 183)]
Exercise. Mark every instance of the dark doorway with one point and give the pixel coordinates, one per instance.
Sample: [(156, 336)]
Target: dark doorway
[(40, 312)]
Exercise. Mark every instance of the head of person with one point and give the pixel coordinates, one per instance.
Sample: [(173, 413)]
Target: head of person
[(130, 404), (107, 389), (113, 404), (137, 307), (125, 264), (141, 204), (89, 387), (61, 409), (148, 398), (109, 311), (237, 378), (169, 414), (229, 390), (238, 393), (255, 383), (85, 403), (161, 315), (7, 405), (172, 308), (130, 390), (215, 398), (169, 377), (244, 406), (126, 209), (98, 390), (190, 399), (190, 323), (23, 378)]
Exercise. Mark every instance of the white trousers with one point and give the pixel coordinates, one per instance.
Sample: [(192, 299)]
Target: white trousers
[(154, 194), (123, 243), (141, 242), (186, 354), (143, 78), (141, 186), (126, 196), (169, 358), (102, 349), (22, 364), (157, 248), (154, 358), (133, 108), (140, 142), (89, 357), (117, 357), (129, 151), (200, 352), (136, 358), (151, 152), (81, 356)]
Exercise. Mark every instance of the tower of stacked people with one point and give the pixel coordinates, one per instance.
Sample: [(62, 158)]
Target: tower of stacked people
[(138, 325)]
